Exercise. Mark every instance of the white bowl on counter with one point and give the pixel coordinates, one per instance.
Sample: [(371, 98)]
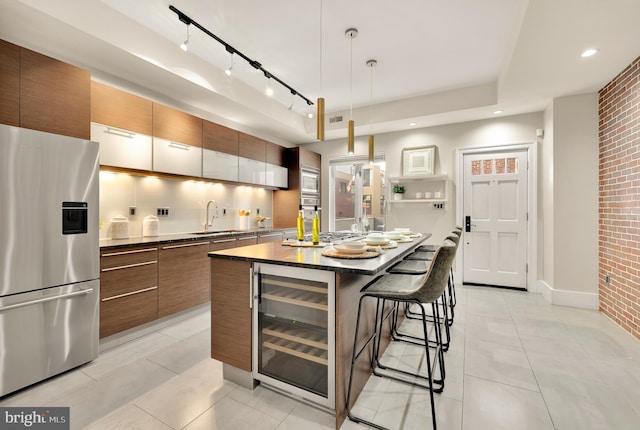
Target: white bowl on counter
[(377, 239), (357, 247), (393, 235)]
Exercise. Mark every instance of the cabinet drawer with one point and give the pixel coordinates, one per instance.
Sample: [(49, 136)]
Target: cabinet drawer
[(219, 244), (127, 257), (270, 237), (128, 311), (118, 281)]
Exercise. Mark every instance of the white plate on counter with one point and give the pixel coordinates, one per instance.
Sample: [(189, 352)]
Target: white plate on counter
[(344, 249)]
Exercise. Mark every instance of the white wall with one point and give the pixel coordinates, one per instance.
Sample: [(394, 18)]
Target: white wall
[(186, 200), (448, 138), (575, 196)]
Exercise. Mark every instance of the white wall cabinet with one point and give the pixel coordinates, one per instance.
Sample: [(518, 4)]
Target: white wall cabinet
[(122, 148), (177, 158), (276, 176), (219, 165), (252, 171)]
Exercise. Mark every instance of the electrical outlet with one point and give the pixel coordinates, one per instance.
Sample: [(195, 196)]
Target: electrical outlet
[(163, 211), (224, 211), (438, 205), (607, 279), (132, 210)]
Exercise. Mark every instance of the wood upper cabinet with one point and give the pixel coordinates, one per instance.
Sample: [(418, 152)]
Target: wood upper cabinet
[(54, 96), (9, 83), (183, 278), (275, 154), (177, 126), (113, 107), (309, 158), (219, 138), (252, 147)]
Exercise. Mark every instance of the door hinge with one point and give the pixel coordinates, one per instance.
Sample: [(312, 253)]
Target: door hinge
[(526, 268), (527, 216)]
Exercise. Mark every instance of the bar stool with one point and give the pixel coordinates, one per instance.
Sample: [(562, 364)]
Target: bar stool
[(427, 255), (402, 288)]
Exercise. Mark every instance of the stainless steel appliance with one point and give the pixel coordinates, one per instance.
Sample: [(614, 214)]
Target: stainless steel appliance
[(49, 255), (294, 331), (310, 178)]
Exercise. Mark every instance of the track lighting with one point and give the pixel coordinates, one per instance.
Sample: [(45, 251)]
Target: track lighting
[(269, 90), (228, 70), (185, 45), (253, 63)]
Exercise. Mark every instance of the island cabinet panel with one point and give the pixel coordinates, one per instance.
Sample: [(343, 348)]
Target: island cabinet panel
[(113, 107), (177, 126), (219, 138), (231, 313), (55, 97), (128, 288), (183, 279), (9, 83)]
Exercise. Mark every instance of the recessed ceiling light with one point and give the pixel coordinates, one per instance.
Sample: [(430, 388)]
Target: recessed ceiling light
[(589, 52), (497, 112), (413, 124)]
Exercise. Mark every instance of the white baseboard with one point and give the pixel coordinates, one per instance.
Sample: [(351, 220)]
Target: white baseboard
[(574, 299)]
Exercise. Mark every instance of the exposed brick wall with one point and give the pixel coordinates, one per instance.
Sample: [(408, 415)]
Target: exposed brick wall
[(619, 207)]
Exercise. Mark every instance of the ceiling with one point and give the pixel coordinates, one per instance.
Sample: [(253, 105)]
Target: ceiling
[(438, 61)]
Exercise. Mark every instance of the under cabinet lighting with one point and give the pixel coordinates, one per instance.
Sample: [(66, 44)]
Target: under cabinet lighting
[(413, 124), (497, 112)]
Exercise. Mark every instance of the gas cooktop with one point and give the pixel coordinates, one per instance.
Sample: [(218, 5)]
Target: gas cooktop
[(328, 236)]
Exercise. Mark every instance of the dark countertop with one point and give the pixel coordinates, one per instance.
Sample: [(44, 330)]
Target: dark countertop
[(178, 237), (312, 258)]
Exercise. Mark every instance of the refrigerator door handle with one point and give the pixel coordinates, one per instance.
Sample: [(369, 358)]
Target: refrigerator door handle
[(47, 299)]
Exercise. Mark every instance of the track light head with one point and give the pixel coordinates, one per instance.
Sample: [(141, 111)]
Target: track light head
[(185, 45)]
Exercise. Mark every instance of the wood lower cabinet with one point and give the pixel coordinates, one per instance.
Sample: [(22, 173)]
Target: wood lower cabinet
[(231, 312), (9, 83), (247, 240), (270, 237), (128, 288), (183, 278)]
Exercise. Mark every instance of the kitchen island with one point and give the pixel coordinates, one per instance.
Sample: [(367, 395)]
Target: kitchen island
[(289, 313)]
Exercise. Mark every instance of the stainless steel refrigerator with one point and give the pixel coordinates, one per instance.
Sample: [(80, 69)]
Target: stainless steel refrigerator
[(49, 255)]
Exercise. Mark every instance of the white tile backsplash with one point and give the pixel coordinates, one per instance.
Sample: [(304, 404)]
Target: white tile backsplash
[(186, 200)]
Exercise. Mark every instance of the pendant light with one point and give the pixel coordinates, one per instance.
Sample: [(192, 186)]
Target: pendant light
[(351, 33), (371, 64), (320, 101)]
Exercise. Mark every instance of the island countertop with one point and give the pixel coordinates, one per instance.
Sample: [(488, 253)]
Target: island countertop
[(312, 258)]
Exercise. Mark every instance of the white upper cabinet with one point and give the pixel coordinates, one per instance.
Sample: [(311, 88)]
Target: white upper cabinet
[(177, 158), (122, 148), (219, 165), (252, 171)]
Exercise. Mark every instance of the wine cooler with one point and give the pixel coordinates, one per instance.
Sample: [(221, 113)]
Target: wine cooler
[(293, 331)]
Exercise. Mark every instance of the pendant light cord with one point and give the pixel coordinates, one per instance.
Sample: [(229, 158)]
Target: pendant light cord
[(321, 83), (351, 79)]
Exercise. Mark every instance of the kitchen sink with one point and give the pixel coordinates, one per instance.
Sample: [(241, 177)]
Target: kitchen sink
[(213, 232)]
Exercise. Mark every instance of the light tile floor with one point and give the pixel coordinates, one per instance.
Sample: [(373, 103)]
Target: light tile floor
[(515, 362)]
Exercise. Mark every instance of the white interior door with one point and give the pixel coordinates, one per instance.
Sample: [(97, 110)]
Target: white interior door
[(495, 216)]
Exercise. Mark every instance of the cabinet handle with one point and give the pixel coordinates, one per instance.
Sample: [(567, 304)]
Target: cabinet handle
[(113, 254), (250, 287), (179, 146), (119, 296), (271, 235), (224, 241), (185, 245), (248, 238), (46, 299), (121, 133), (128, 266)]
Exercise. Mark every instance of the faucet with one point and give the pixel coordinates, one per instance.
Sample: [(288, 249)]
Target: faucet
[(208, 224)]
